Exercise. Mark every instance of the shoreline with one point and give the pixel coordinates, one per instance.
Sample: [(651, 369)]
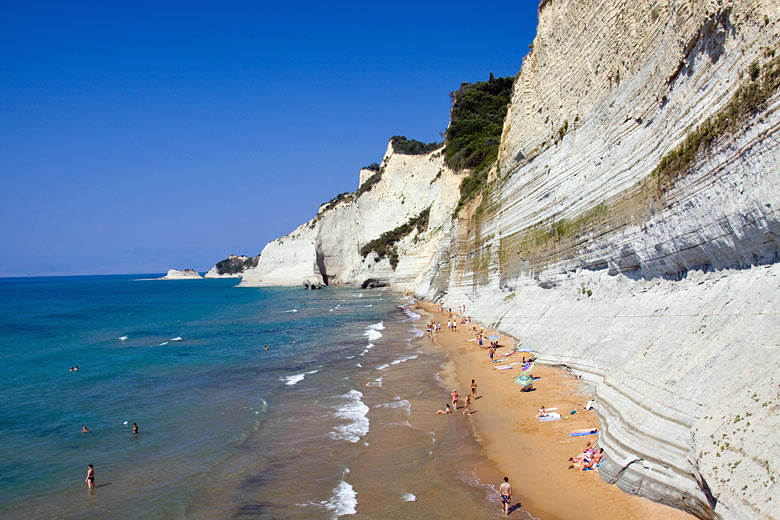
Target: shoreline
[(534, 455)]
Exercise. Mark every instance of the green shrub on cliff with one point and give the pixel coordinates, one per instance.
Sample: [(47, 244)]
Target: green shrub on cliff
[(385, 244), (406, 146), (749, 97), (476, 123)]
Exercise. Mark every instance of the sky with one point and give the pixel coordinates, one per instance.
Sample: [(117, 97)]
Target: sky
[(141, 136)]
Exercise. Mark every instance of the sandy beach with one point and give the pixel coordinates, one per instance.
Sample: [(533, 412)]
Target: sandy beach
[(534, 455)]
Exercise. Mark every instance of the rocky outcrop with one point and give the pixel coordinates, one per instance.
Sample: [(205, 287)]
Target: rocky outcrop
[(182, 274), (327, 249), (232, 267), (628, 231)]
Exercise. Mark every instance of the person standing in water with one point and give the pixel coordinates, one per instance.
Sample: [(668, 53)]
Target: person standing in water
[(505, 492), (90, 480), (135, 429)]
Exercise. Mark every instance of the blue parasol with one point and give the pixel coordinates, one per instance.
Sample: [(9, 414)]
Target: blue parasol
[(524, 380)]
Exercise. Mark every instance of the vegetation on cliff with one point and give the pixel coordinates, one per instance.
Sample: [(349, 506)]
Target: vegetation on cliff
[(236, 264), (406, 146), (474, 134), (385, 244), (750, 96)]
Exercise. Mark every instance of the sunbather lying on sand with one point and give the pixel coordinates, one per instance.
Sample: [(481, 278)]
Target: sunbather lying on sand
[(542, 412)]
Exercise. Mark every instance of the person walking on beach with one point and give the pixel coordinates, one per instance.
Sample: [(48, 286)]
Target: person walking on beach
[(467, 411), (492, 351), (505, 492), (454, 395), (90, 480), (473, 389)]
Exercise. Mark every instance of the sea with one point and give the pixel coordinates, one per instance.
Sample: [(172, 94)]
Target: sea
[(335, 419)]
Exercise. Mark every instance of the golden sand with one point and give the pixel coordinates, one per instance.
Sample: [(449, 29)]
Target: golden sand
[(534, 455)]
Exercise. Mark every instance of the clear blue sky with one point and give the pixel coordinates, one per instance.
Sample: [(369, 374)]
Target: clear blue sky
[(138, 138)]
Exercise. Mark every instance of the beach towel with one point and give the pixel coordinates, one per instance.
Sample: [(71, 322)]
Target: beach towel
[(550, 417), (582, 433), (505, 368)]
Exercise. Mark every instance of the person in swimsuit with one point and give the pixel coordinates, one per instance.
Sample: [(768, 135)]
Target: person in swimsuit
[(473, 389), (454, 395), (446, 410), (90, 480), (467, 411), (84, 429), (135, 429), (505, 492)]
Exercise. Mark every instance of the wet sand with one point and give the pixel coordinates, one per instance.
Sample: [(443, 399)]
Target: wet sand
[(534, 455)]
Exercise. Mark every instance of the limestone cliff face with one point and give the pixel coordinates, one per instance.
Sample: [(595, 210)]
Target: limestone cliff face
[(659, 285), (326, 249), (181, 274), (660, 289)]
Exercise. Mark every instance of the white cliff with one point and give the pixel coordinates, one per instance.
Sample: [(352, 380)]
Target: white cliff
[(659, 286), (326, 250), (232, 267), (181, 274)]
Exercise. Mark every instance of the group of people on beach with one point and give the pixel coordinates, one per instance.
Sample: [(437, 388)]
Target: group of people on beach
[(455, 399), (589, 459)]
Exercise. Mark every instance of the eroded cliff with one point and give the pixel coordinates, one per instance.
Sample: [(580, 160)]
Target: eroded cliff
[(627, 230)]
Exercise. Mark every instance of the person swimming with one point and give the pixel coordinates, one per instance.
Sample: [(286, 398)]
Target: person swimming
[(84, 429)]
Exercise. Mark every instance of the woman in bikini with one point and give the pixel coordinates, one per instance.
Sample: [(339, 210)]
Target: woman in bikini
[(473, 389), (90, 480)]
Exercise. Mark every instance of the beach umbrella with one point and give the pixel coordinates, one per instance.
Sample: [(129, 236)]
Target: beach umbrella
[(493, 337), (524, 349), (524, 380), (527, 367)]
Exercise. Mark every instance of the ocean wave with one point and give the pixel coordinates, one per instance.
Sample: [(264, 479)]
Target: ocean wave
[(344, 500), (365, 350), (372, 331), (292, 310), (355, 411), (162, 344), (293, 379), (177, 338), (122, 338), (411, 314), (408, 497), (402, 359), (398, 403), (375, 382)]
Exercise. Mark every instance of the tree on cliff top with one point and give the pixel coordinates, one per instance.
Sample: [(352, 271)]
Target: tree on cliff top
[(476, 123)]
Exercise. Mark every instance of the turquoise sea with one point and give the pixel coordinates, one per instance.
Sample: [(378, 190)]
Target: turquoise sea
[(227, 429)]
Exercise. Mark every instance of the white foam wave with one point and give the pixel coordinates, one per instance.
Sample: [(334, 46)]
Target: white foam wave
[(369, 305), (382, 367), (310, 372), (375, 382), (122, 338), (162, 344), (357, 295), (408, 497), (344, 500), (398, 403), (411, 314), (355, 411), (368, 347), (372, 331), (177, 338), (293, 379), (404, 359), (292, 310)]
